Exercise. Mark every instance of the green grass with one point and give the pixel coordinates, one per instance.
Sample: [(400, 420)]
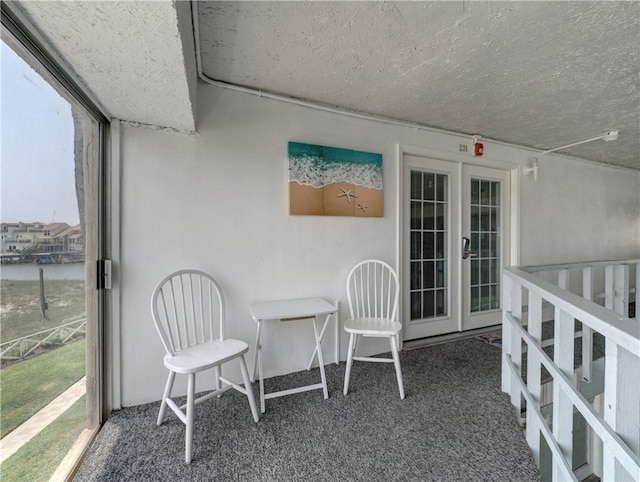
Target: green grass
[(38, 459), (28, 386), (20, 306)]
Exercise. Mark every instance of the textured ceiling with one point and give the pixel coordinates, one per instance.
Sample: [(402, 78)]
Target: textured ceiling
[(129, 54), (535, 74)]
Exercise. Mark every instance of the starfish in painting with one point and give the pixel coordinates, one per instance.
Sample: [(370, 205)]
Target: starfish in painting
[(348, 194), (363, 207)]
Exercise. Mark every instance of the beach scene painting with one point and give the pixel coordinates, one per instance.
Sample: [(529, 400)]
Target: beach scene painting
[(330, 181)]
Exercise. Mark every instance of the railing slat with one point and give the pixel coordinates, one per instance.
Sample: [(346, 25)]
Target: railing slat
[(516, 342), (562, 406), (505, 384), (587, 332), (534, 380), (621, 409)]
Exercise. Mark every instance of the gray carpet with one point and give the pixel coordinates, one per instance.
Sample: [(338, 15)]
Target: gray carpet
[(454, 425)]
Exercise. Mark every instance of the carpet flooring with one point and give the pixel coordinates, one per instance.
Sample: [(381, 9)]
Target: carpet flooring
[(454, 425)]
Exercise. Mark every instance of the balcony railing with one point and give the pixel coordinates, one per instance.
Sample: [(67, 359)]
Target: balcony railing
[(22, 348), (552, 384)]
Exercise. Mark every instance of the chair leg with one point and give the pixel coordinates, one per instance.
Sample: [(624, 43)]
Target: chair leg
[(396, 362), (165, 395), (217, 373), (347, 372), (248, 388), (190, 407)]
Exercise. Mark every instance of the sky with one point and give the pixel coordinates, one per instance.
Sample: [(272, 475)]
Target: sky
[(37, 180)]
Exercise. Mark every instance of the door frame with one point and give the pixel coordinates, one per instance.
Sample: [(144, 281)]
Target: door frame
[(512, 166)]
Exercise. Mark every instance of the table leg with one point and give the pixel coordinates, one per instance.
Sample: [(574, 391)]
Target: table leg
[(320, 359), (255, 353), (257, 365), (261, 374), (315, 350)]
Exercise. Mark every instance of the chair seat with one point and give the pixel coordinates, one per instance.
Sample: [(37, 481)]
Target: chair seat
[(372, 326), (206, 355)]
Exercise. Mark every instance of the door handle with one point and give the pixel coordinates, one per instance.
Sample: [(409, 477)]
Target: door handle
[(466, 246)]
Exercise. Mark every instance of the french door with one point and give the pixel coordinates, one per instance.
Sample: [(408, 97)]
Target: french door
[(456, 240)]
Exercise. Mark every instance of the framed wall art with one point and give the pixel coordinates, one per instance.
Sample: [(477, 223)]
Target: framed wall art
[(330, 181)]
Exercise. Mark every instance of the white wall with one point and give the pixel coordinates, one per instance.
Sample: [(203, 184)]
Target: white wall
[(217, 201), (579, 211)]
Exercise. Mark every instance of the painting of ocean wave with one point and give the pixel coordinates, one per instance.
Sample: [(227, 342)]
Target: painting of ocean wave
[(334, 182)]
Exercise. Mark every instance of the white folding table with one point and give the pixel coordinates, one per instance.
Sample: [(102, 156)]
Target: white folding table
[(291, 310)]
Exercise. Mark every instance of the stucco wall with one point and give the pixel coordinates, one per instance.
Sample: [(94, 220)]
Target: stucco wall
[(217, 200)]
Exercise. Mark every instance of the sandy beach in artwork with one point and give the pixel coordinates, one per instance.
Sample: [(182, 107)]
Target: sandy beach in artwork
[(305, 199), (338, 199), (346, 199)]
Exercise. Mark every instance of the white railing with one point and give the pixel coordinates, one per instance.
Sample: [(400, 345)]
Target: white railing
[(616, 424), (22, 348)]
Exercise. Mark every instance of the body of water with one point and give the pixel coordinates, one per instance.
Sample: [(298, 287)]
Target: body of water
[(31, 271), (320, 166)]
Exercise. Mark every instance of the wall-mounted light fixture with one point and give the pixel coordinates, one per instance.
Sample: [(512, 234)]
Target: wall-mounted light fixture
[(607, 137), (531, 169)]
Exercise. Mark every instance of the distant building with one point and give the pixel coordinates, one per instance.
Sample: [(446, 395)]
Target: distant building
[(18, 237), (39, 238), (61, 238)]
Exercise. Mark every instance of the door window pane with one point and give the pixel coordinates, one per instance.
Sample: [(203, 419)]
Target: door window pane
[(441, 302), (416, 215), (485, 212), (428, 213), (429, 187), (441, 274), (416, 275), (416, 245), (428, 305), (416, 185), (428, 245), (428, 275)]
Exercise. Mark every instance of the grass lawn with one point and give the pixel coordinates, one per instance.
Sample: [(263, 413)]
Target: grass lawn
[(38, 459), (20, 306), (28, 386)]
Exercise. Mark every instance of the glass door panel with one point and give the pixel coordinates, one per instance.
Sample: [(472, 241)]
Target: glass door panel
[(485, 236), (484, 217), (429, 248), (429, 302)]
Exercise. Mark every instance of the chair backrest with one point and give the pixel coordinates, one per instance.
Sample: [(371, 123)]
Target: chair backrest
[(188, 309), (372, 290)]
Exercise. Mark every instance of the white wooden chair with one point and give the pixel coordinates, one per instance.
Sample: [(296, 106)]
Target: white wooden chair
[(188, 311), (372, 292)]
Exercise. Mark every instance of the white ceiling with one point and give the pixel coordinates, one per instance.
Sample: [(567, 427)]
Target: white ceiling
[(535, 74)]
